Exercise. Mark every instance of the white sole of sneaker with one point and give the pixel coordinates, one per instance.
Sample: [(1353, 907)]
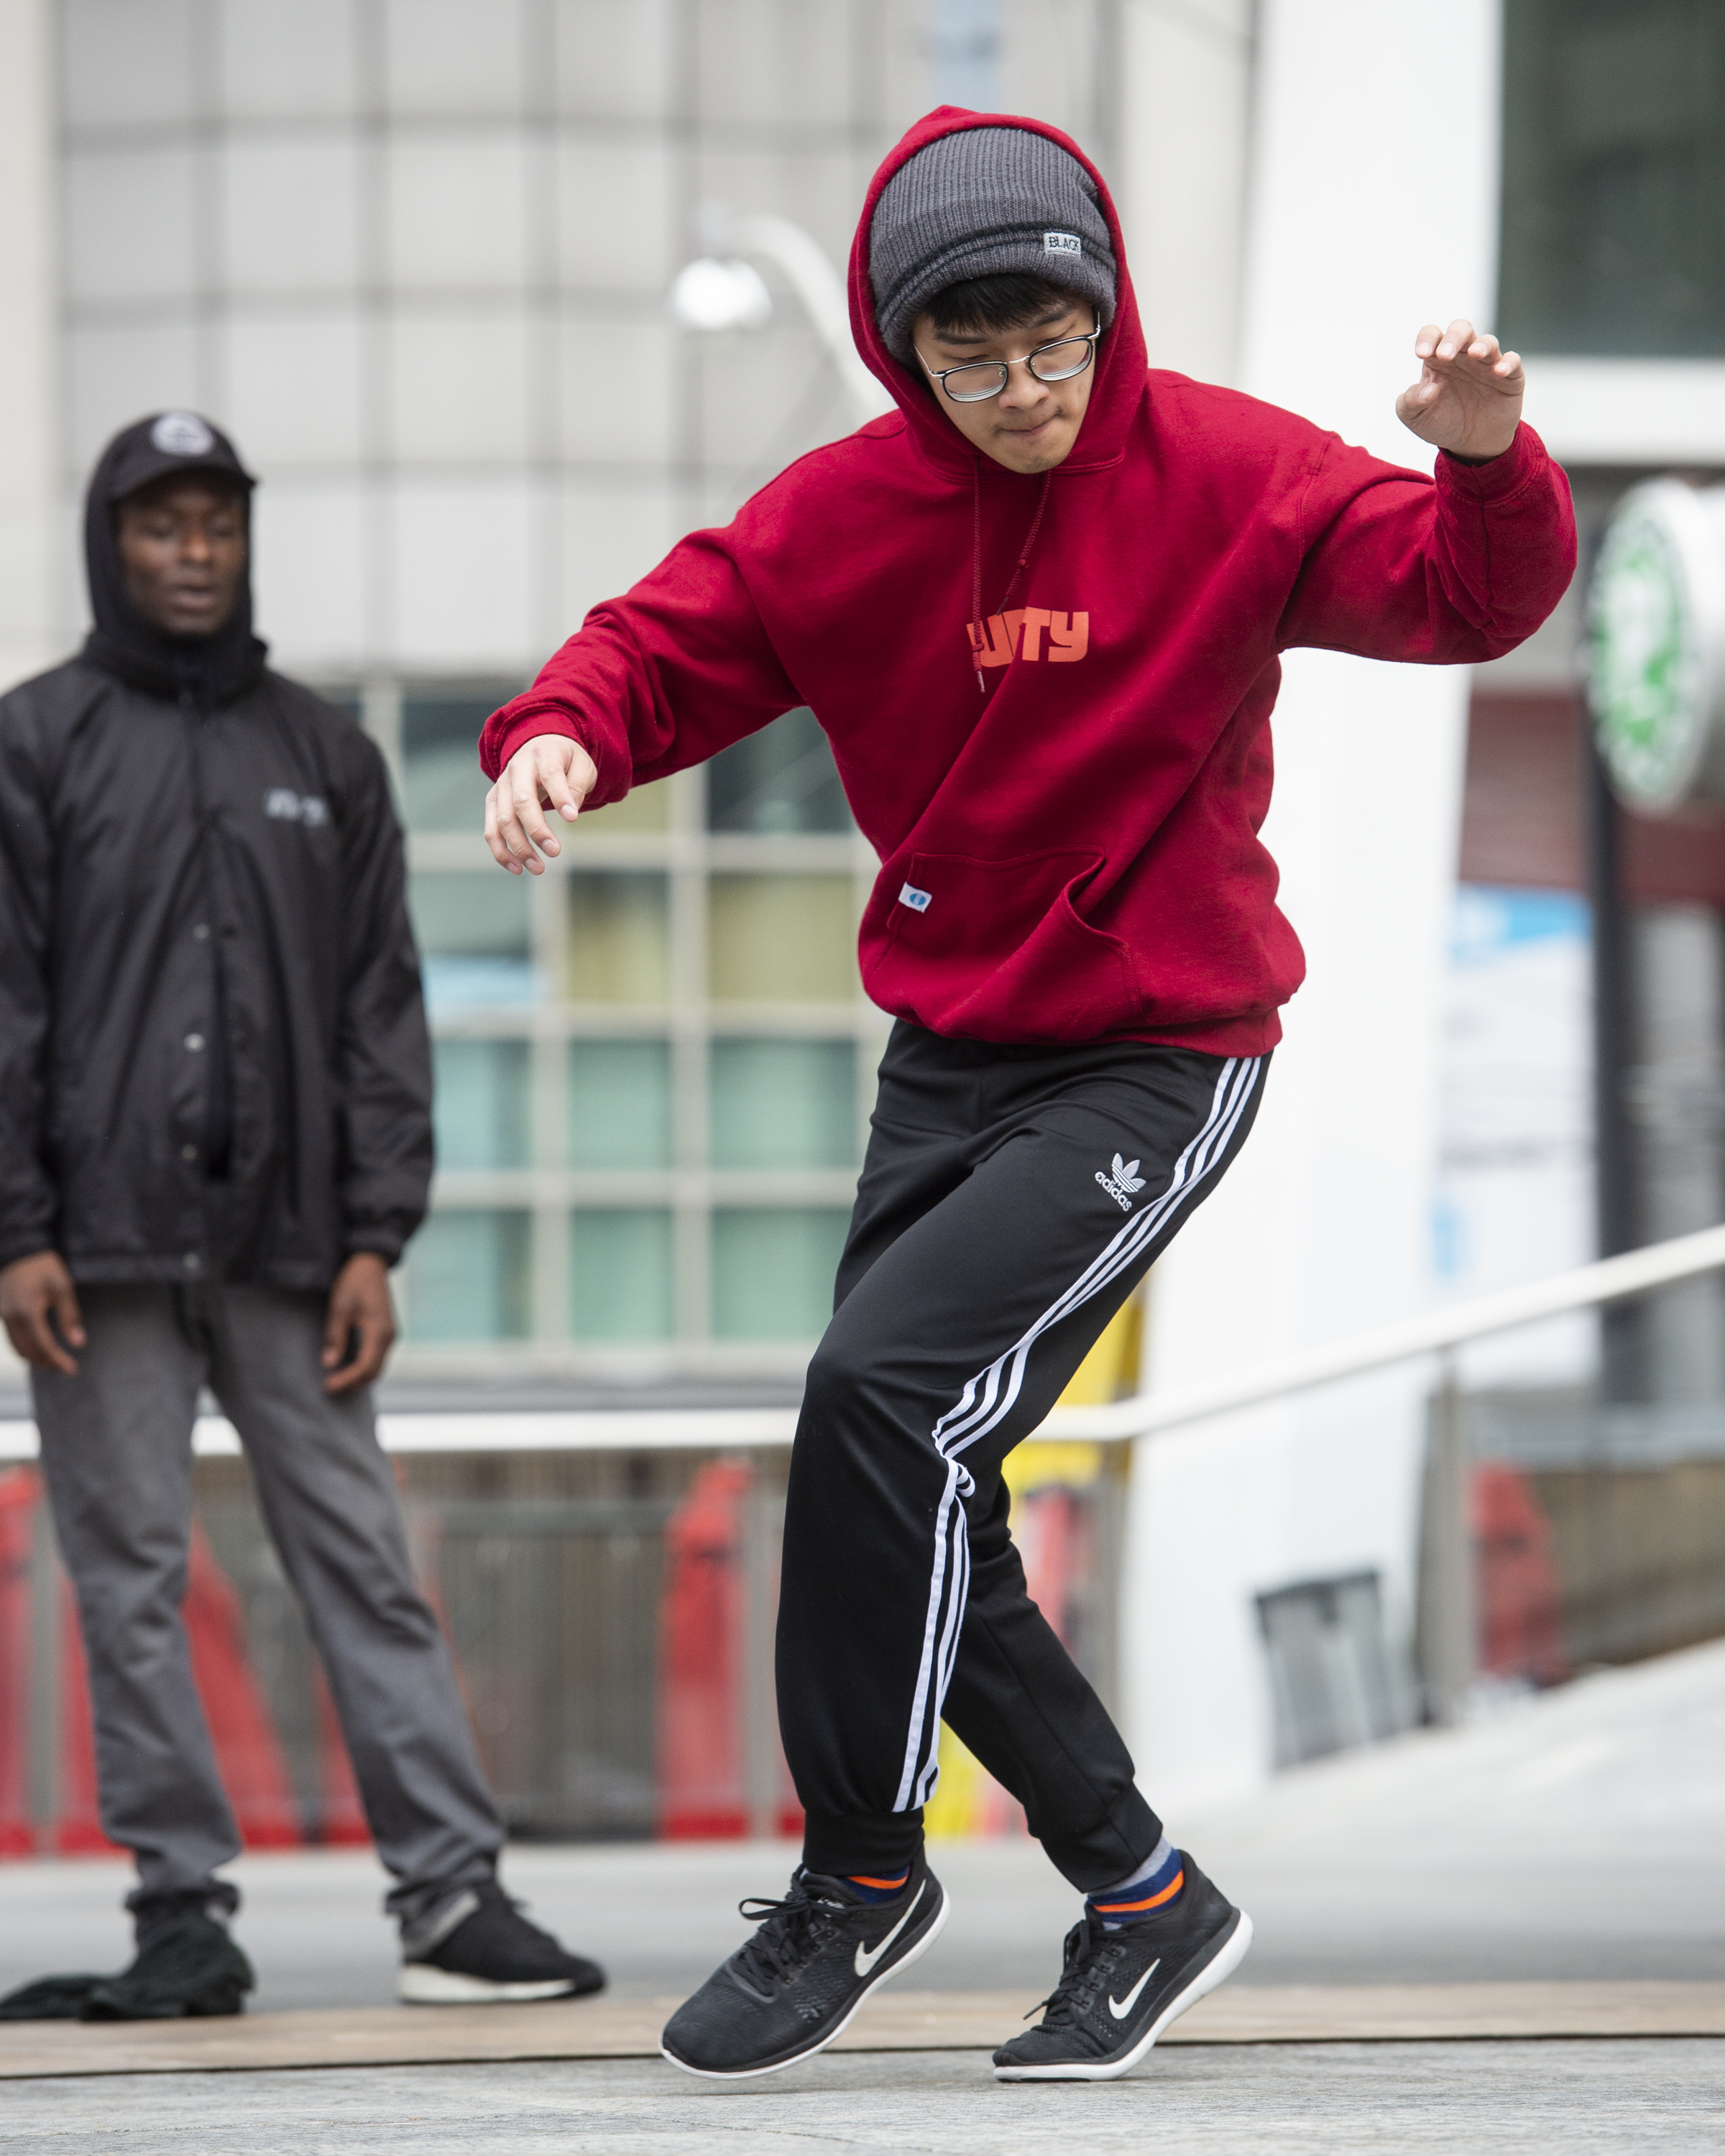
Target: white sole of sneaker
[(1215, 1972), (420, 1984), (906, 1960)]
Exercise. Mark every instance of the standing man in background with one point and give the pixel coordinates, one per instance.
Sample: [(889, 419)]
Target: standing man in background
[(215, 1141)]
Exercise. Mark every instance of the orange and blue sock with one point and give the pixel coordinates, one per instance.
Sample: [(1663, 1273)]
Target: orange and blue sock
[(870, 1888), (1157, 1884)]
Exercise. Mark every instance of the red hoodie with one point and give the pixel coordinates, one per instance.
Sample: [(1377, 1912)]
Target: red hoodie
[(1072, 855)]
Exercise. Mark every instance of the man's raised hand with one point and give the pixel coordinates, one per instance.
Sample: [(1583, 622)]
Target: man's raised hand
[(1468, 398), (551, 770)]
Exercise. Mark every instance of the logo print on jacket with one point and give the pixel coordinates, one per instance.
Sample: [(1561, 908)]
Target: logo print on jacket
[(994, 642), (1125, 1180), (309, 809)]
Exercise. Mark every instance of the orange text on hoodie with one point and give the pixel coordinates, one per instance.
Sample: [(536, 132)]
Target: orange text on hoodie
[(1074, 854)]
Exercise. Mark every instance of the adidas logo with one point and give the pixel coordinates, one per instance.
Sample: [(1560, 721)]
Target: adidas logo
[(1122, 1183)]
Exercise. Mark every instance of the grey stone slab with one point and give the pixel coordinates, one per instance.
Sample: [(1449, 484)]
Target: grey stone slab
[(1605, 2099)]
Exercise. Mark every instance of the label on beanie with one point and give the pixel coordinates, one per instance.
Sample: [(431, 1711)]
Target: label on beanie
[(1062, 242)]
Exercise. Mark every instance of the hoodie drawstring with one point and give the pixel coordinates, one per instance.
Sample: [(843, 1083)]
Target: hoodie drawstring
[(975, 557)]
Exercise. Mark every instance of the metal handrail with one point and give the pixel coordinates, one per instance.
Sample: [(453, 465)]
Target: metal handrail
[(1608, 1280), (696, 1429)]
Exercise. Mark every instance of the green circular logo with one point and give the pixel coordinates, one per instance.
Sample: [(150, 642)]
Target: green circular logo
[(1648, 671)]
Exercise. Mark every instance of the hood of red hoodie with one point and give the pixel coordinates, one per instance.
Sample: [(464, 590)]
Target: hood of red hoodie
[(1121, 383)]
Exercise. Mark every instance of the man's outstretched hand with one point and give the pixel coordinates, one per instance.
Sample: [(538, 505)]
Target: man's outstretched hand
[(359, 1327), (38, 1306), (1468, 398), (551, 770)]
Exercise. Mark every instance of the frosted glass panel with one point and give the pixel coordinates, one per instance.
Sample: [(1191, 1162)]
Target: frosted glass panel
[(783, 778), (619, 948), (467, 1278), (772, 1272), (783, 1104), (480, 1112), (783, 939), (621, 1274), (619, 1104)]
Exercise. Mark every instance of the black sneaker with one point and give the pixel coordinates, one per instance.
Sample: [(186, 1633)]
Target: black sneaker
[(477, 1949), (1120, 1989), (785, 1994), (186, 1966)]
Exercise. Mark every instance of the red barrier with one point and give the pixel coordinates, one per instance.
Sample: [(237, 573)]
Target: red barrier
[(703, 1631), (1520, 1596)]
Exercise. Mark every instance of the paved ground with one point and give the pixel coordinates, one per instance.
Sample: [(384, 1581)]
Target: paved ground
[(1582, 1835), (1604, 2099)]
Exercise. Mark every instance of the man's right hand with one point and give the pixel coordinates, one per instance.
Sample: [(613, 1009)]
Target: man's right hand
[(37, 1300), (551, 769)]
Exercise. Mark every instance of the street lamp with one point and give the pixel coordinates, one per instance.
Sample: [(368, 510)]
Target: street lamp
[(722, 290)]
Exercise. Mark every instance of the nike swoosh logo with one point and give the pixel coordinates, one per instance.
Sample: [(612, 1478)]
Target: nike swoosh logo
[(866, 1958), (1120, 2008)]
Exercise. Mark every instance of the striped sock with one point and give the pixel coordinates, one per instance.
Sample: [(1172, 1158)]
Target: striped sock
[(1156, 1883), (877, 1889)]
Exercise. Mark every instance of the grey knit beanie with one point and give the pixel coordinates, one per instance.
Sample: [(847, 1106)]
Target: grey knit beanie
[(972, 204)]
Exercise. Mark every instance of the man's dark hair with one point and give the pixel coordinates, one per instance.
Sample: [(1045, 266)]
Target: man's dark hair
[(1008, 299)]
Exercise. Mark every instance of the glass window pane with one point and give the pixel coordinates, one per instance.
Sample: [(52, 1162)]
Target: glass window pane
[(783, 939), (443, 787), (783, 1104), (645, 808), (619, 938), (619, 1104), (773, 1268), (783, 778), (620, 1276), (480, 1103), (1613, 177), (467, 1278), (473, 933)]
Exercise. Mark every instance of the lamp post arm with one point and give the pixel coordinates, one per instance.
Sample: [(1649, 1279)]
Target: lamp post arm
[(819, 286)]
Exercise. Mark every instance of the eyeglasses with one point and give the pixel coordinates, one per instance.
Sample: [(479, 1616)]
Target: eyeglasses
[(978, 381)]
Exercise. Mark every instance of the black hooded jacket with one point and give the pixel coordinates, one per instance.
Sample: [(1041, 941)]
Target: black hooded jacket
[(212, 1044)]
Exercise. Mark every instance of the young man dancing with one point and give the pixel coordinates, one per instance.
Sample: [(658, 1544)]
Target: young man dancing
[(1038, 611)]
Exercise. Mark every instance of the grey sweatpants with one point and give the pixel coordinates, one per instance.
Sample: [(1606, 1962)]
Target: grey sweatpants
[(116, 1453)]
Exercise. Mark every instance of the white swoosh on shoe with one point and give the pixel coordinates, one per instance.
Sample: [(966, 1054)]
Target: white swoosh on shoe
[(1120, 2008), (866, 1958)]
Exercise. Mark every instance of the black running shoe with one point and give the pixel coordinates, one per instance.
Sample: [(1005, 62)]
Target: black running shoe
[(1120, 1989), (477, 1949), (786, 1993), (186, 1966)]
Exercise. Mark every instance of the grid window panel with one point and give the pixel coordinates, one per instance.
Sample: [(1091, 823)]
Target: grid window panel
[(473, 931), (620, 1274), (443, 787), (619, 1104), (783, 1104), (467, 1279), (772, 1271), (782, 779), (480, 1104), (642, 809), (783, 939), (619, 937)]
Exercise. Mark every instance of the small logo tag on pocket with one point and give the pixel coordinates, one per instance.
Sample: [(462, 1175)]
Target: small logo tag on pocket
[(917, 900)]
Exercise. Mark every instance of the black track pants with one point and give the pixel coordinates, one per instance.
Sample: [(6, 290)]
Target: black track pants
[(1011, 1200)]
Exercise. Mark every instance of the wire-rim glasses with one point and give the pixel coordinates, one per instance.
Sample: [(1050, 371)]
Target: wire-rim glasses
[(988, 377)]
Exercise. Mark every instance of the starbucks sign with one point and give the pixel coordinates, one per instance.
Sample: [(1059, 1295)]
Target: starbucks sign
[(1657, 646)]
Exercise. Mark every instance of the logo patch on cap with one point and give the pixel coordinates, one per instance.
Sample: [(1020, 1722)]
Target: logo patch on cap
[(181, 434), (1062, 242)]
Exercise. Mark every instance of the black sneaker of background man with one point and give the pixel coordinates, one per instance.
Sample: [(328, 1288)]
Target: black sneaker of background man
[(187, 1965), (1120, 1989), (785, 1994), (477, 1949)]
